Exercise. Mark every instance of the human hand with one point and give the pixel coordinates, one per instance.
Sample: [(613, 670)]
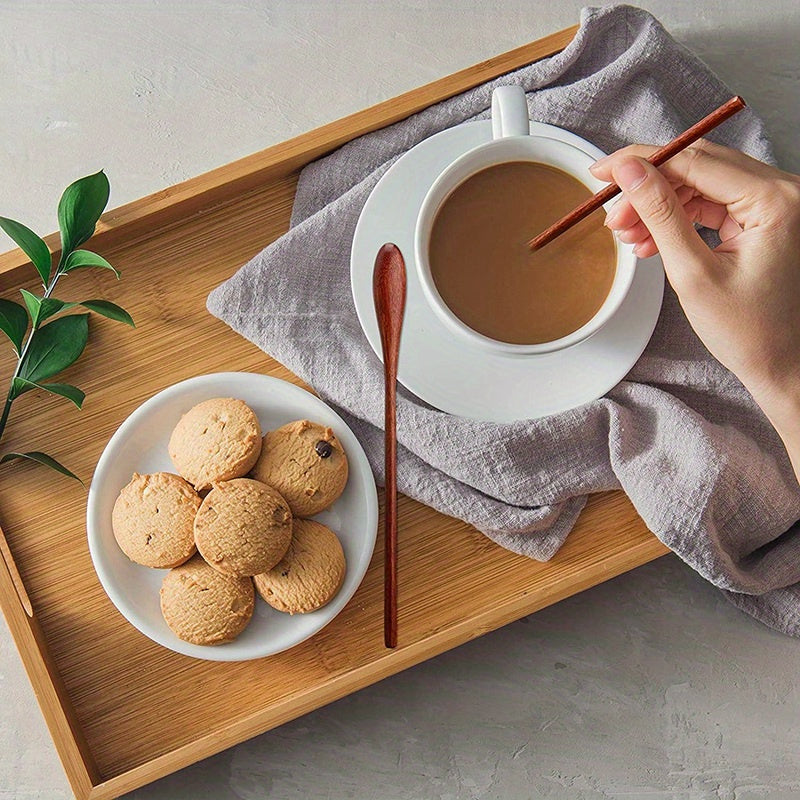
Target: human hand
[(743, 297)]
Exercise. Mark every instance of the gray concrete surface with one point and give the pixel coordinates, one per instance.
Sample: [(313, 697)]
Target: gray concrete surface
[(650, 686)]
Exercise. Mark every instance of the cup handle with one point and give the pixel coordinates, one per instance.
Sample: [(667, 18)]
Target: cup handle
[(509, 112)]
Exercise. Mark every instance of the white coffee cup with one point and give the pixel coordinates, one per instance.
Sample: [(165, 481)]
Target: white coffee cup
[(513, 141)]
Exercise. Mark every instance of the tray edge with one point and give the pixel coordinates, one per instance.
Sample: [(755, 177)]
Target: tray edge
[(231, 181), (51, 694)]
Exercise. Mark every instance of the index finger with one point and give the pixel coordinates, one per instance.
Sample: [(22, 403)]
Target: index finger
[(720, 174)]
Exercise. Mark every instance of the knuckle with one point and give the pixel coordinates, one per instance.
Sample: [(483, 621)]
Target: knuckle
[(790, 195), (706, 146), (695, 154), (781, 202), (658, 207)]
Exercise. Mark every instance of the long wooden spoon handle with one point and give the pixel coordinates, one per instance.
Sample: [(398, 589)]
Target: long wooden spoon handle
[(389, 293)]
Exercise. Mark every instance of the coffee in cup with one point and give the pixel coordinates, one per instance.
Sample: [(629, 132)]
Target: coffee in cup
[(487, 276)]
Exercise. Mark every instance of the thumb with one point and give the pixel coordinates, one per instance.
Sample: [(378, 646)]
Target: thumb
[(657, 205)]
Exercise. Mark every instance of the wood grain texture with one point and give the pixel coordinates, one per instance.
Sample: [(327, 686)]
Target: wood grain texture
[(52, 694), (123, 710)]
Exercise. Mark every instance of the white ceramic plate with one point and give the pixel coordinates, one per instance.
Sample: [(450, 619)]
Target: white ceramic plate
[(140, 445), (460, 377)]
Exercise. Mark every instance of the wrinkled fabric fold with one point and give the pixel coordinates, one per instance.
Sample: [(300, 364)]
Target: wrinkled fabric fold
[(680, 434)]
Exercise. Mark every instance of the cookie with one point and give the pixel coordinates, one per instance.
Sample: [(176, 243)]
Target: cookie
[(310, 573), (202, 606), (153, 519), (305, 463), (216, 440), (243, 527)]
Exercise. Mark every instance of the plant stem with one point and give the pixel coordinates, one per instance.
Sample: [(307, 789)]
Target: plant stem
[(6, 410), (9, 397)]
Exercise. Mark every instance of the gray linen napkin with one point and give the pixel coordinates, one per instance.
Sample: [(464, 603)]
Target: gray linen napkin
[(680, 434)]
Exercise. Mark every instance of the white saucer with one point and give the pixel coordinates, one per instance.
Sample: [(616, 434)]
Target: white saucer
[(456, 376)]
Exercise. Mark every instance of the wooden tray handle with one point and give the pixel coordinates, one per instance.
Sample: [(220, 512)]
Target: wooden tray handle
[(15, 577)]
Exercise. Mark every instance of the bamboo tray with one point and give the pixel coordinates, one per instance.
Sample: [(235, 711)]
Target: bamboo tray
[(110, 696)]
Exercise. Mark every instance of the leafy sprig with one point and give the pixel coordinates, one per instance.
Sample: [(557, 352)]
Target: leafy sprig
[(44, 350)]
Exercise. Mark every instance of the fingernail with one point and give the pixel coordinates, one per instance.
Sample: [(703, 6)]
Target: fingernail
[(599, 163), (612, 215), (629, 174)]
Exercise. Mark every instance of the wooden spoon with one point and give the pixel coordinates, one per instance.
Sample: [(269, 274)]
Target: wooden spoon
[(389, 294)]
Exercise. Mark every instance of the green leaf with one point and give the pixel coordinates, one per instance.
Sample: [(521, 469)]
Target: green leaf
[(67, 390), (13, 322), (41, 458), (32, 302), (110, 310), (32, 245), (73, 393), (55, 346), (79, 209), (51, 306), (78, 259), (42, 308), (20, 386)]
